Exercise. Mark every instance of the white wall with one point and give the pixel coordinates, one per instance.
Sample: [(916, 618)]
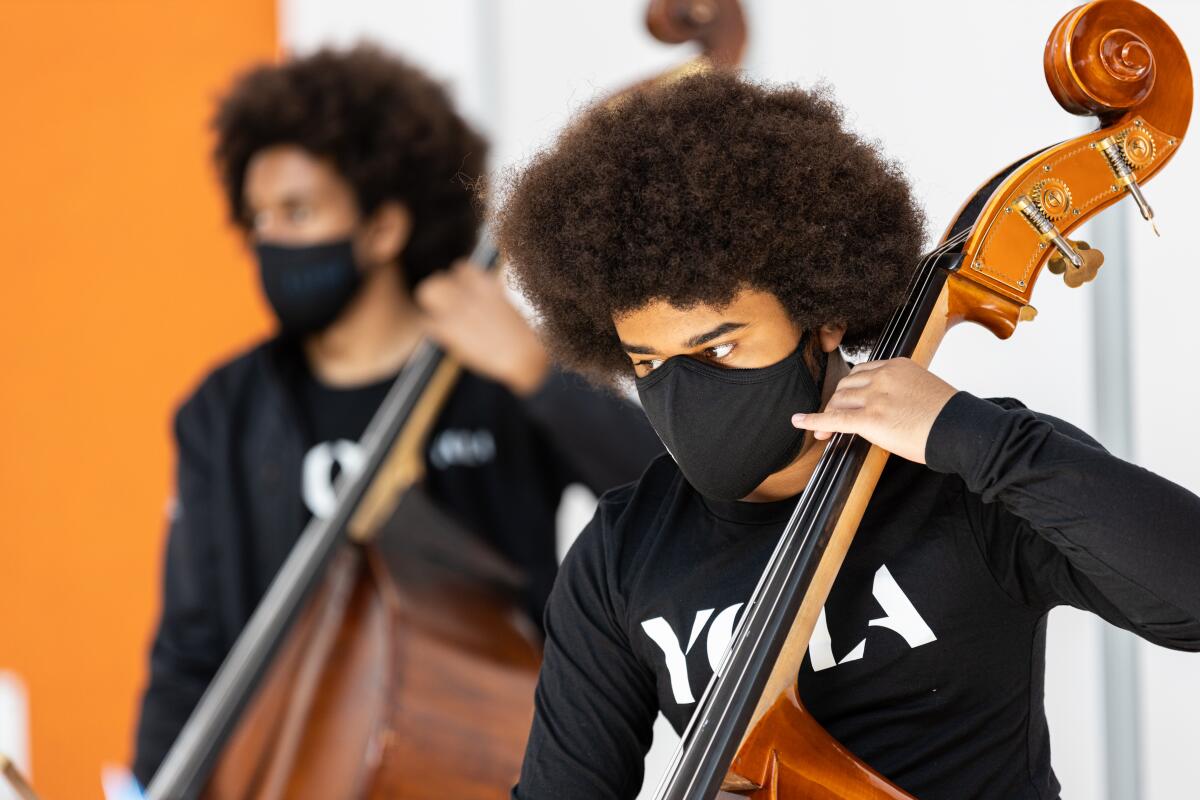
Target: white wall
[(1167, 415), (14, 728), (955, 91)]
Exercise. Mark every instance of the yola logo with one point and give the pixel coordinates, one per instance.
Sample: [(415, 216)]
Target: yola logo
[(900, 616)]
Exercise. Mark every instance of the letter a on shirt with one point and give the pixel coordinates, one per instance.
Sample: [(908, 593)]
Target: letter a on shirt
[(901, 617)]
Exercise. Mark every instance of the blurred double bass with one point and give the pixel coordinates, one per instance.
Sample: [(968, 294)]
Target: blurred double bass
[(1112, 59), (390, 656)]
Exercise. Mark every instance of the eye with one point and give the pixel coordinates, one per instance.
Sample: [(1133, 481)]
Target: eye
[(298, 214), (647, 366), (717, 352)]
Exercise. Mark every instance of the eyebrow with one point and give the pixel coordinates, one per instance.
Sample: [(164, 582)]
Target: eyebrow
[(695, 341)]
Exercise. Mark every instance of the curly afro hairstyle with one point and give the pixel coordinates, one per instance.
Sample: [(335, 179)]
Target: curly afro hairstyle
[(390, 130), (689, 192)]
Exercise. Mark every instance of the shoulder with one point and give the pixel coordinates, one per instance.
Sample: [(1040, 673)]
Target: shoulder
[(595, 571), (216, 395), (626, 511), (626, 517)]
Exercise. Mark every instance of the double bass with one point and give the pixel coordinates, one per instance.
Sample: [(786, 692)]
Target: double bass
[(1114, 60), (391, 656)]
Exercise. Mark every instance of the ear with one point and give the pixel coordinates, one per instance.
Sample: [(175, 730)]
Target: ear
[(385, 234), (830, 336)]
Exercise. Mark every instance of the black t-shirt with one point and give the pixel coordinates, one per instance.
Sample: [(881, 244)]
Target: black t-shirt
[(927, 661), (335, 413), (335, 418)]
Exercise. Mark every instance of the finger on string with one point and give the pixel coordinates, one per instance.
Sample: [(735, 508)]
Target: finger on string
[(836, 421)]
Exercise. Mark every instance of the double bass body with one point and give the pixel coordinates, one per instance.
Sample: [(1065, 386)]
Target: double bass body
[(410, 674)]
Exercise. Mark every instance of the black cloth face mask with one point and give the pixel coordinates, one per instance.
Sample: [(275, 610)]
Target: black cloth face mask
[(308, 286), (728, 429)]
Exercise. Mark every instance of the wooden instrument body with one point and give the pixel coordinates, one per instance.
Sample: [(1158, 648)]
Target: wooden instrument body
[(1109, 58), (407, 676)]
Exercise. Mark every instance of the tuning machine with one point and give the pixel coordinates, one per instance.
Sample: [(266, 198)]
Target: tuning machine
[(1076, 276), (1077, 262), (1125, 153)]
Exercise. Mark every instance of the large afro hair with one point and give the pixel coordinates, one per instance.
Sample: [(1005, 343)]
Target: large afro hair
[(390, 131), (690, 191)]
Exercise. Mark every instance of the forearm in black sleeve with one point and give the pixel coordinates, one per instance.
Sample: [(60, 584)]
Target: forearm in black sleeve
[(595, 705), (605, 438), (189, 643), (1123, 541)]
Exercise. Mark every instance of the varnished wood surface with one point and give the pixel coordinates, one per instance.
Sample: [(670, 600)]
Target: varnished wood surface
[(410, 675), (718, 25), (798, 760), (1005, 254)]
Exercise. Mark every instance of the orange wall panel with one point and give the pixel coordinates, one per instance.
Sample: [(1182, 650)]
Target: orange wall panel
[(121, 284)]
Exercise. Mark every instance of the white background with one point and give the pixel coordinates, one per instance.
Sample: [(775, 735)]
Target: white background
[(955, 91)]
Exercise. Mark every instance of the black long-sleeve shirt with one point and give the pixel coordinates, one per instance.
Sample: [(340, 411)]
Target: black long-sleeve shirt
[(928, 659), (248, 440)]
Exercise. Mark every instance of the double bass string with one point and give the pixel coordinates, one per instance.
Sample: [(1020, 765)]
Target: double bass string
[(839, 448)]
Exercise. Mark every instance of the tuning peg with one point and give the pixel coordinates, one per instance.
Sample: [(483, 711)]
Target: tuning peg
[(1058, 261), (1074, 276), (1092, 261)]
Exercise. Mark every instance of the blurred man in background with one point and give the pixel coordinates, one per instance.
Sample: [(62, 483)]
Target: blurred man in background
[(354, 179)]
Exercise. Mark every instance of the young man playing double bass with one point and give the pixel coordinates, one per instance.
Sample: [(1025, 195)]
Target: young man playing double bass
[(354, 180), (719, 243)]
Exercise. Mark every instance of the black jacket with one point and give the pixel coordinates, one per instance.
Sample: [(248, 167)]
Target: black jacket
[(241, 439)]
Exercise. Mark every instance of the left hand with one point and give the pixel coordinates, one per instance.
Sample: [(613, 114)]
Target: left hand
[(892, 404), (468, 313)]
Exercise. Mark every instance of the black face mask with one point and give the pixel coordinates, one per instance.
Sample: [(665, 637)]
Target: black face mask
[(728, 429), (308, 286)]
